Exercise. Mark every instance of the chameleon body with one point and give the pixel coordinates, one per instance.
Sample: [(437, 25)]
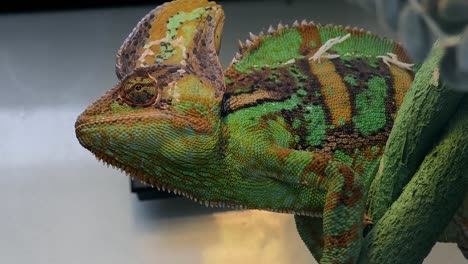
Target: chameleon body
[(296, 124)]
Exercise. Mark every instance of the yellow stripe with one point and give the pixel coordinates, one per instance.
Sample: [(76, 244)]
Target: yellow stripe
[(334, 90), (402, 82), (309, 34)]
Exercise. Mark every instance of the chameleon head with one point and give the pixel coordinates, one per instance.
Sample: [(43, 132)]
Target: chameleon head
[(161, 123), (154, 118)]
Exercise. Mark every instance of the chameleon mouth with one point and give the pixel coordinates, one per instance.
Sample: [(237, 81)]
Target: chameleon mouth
[(141, 176), (138, 175), (84, 121)]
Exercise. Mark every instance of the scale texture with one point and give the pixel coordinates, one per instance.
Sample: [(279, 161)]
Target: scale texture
[(296, 124)]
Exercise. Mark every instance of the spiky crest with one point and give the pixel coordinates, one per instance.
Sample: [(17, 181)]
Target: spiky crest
[(253, 42)]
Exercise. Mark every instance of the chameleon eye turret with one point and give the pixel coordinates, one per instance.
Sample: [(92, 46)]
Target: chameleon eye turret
[(141, 92), (168, 98)]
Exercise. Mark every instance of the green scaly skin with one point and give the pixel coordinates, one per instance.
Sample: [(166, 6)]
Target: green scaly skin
[(276, 131)]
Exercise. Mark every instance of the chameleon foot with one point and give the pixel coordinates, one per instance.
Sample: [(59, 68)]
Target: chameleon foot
[(367, 220)]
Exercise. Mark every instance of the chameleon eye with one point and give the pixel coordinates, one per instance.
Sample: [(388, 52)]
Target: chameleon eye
[(141, 94)]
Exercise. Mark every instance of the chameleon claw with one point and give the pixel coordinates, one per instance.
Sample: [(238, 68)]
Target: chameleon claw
[(367, 220)]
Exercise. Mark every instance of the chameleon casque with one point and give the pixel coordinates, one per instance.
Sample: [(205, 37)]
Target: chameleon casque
[(296, 124)]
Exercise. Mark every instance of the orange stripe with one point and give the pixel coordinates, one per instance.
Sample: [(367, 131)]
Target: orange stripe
[(159, 25), (310, 36), (158, 29), (334, 90), (402, 80)]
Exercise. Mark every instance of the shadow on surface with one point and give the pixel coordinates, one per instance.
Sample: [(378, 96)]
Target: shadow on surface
[(171, 208)]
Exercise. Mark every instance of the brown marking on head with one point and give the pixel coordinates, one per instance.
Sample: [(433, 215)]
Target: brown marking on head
[(143, 92), (147, 43), (196, 120)]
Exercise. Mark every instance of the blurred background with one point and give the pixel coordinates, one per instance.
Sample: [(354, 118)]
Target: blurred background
[(60, 205)]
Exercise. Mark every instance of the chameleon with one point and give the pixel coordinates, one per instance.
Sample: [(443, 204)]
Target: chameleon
[(296, 124)]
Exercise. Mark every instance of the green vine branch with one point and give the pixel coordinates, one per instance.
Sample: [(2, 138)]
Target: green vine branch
[(422, 179)]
